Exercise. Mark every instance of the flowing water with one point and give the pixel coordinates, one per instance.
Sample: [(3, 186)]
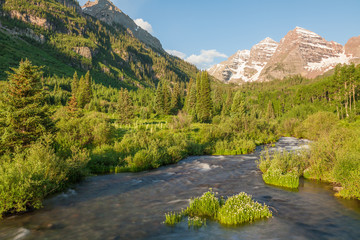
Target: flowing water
[(132, 205)]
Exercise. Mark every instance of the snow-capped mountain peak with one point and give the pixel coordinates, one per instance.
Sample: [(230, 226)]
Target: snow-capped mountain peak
[(300, 52)]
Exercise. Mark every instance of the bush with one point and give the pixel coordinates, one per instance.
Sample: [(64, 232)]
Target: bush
[(28, 177), (240, 209), (205, 206), (282, 168), (316, 125), (235, 210)]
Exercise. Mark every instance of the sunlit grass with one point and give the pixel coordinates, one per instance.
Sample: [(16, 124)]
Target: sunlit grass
[(282, 168), (173, 218), (205, 206), (241, 208), (238, 209)]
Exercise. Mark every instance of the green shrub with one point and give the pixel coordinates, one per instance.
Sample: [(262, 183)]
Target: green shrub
[(278, 178), (240, 209), (316, 125), (28, 177), (235, 210), (282, 168), (205, 206)]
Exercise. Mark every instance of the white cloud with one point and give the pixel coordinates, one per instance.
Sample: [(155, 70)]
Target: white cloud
[(205, 59), (144, 25), (176, 53)]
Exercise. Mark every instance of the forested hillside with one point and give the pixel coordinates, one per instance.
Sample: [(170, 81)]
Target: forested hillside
[(59, 35)]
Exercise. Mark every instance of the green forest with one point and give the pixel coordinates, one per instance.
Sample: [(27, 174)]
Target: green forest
[(129, 108)]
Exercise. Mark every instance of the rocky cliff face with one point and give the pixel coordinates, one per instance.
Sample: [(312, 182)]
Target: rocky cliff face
[(245, 66), (299, 52), (352, 48), (106, 11), (303, 52)]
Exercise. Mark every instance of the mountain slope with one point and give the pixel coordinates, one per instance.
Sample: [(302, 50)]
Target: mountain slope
[(300, 52), (106, 11), (68, 36)]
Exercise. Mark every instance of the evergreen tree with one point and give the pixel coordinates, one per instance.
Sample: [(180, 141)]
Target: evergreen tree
[(72, 106), (238, 106), (270, 112), (190, 103), (75, 83), (84, 90), (125, 107), (23, 104), (204, 102), (166, 99), (159, 99), (198, 94), (176, 104), (227, 104)]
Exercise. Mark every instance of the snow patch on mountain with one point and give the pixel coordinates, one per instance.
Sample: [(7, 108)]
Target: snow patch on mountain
[(328, 63)]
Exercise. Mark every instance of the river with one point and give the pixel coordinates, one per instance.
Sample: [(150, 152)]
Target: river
[(132, 205)]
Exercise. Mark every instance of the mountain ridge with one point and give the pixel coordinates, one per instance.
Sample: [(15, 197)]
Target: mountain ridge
[(106, 11), (299, 52)]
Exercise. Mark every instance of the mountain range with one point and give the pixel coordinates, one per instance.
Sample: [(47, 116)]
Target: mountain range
[(300, 52)]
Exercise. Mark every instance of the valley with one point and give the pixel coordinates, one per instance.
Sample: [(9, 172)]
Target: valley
[(104, 134)]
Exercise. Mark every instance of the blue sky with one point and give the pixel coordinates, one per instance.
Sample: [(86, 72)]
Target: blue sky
[(205, 32)]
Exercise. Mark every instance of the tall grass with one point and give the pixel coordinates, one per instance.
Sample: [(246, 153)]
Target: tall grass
[(282, 168)]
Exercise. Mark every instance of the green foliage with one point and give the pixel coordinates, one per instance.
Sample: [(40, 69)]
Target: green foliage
[(238, 209), (125, 108), (29, 176), (282, 168), (334, 158), (238, 106), (204, 102), (316, 125), (276, 177), (207, 205), (172, 218), (25, 114), (241, 208)]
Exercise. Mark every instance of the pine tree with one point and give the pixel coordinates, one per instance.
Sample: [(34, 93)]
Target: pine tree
[(125, 107), (227, 104), (159, 99), (238, 106), (84, 92), (198, 94), (72, 106), (204, 102), (175, 99), (270, 113), (75, 83), (24, 105), (190, 101), (166, 99)]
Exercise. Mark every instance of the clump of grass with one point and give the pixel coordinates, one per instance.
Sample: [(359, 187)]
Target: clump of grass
[(196, 222), (173, 218), (241, 208), (278, 178), (205, 206), (282, 168), (235, 210)]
